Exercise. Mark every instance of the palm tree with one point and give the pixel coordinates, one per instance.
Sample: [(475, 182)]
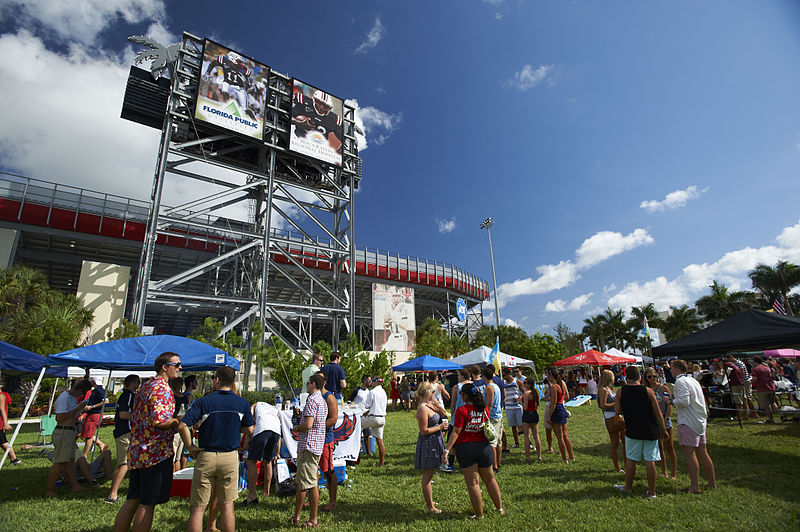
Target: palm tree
[(596, 331), (778, 280), (681, 322), (722, 304), (615, 325), (636, 321), (20, 288)]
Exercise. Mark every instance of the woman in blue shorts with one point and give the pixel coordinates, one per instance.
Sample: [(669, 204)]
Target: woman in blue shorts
[(557, 414), (474, 454)]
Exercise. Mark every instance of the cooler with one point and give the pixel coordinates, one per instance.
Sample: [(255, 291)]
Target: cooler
[(182, 483), (340, 468)]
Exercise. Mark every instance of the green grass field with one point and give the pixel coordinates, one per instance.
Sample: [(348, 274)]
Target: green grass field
[(756, 471)]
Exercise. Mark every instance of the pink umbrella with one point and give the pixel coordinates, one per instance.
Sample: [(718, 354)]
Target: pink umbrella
[(785, 353)]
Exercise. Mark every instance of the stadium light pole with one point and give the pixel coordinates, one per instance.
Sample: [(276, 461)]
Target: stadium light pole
[(487, 224)]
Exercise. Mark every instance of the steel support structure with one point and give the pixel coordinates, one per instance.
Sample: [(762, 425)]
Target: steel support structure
[(287, 258)]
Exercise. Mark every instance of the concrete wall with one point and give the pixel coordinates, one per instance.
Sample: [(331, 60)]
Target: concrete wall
[(8, 247), (103, 289)]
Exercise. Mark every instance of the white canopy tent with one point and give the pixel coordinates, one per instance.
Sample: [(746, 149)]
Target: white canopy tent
[(480, 356), (616, 352)]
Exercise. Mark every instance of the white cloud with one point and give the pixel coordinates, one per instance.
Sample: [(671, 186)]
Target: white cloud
[(551, 277), (673, 200), (446, 226), (731, 269), (161, 34), (66, 127), (529, 76), (577, 303), (498, 15), (606, 244), (374, 36), (511, 323), (378, 124), (83, 21), (591, 252)]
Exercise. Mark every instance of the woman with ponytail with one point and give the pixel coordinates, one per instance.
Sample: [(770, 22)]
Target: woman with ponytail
[(557, 414), (473, 452)]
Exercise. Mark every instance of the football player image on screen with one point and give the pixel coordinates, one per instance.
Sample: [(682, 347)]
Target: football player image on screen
[(314, 122), (233, 78)]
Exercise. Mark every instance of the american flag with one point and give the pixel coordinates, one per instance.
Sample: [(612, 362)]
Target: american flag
[(777, 306)]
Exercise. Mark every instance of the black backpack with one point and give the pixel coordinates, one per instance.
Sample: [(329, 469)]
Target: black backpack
[(287, 488)]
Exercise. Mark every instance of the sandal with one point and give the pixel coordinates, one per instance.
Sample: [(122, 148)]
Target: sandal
[(310, 524), (475, 517)]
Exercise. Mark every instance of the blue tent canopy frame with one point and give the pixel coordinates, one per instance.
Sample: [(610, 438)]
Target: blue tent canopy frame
[(16, 361), (427, 363), (140, 353)]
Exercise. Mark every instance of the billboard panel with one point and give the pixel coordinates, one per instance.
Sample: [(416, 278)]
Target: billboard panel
[(317, 127), (232, 92), (393, 320)]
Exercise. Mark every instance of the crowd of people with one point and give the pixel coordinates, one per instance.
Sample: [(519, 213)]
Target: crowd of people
[(460, 419)]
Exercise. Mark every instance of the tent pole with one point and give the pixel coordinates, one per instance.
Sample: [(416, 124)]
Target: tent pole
[(52, 396), (21, 419)]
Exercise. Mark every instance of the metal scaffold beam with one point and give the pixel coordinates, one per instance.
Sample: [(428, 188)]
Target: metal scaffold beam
[(269, 217)]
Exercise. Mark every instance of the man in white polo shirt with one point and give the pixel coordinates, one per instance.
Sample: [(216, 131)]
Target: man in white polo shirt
[(375, 415), (692, 416)]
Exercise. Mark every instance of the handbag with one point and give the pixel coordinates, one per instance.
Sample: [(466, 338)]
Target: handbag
[(488, 431), (615, 424)]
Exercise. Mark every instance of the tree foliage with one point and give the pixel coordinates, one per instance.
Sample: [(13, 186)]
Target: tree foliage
[(210, 333), (432, 339), (125, 330), (37, 318), (778, 280), (542, 349)]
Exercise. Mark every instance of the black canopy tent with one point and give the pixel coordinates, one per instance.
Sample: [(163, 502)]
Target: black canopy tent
[(749, 331)]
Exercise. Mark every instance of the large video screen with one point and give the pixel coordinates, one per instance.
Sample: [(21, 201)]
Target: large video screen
[(233, 91), (317, 128), (393, 320)]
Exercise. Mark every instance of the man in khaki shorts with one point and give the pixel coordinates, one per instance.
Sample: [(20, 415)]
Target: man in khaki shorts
[(222, 416), (122, 433), (310, 443), (65, 436)]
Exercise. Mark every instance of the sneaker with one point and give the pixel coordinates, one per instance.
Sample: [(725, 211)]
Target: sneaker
[(622, 488), (515, 446), (16, 461), (109, 500), (650, 495)]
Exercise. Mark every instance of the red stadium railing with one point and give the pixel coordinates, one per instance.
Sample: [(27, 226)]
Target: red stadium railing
[(31, 201)]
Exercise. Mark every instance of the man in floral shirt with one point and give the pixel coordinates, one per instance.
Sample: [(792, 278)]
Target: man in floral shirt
[(150, 454)]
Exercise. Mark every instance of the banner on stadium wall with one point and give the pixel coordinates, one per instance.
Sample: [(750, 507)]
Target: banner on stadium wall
[(346, 434), (232, 91), (317, 127), (393, 320)]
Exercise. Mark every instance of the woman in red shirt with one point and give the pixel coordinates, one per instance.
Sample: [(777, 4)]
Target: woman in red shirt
[(474, 454)]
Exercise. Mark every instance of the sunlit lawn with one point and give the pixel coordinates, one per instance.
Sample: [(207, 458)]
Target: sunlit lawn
[(757, 471)]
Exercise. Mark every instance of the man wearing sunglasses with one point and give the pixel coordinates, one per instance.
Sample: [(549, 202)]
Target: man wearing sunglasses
[(150, 455)]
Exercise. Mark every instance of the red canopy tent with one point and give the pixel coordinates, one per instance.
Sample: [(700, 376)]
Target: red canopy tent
[(593, 358)]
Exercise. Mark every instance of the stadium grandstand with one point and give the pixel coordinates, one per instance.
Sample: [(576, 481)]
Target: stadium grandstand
[(55, 228)]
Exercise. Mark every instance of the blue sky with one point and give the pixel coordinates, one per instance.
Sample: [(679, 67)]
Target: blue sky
[(629, 152)]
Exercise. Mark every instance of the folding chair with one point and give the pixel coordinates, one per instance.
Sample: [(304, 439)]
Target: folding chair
[(47, 425)]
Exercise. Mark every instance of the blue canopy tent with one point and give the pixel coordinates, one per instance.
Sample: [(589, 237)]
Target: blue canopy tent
[(134, 354), (16, 361), (141, 353), (427, 363)]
